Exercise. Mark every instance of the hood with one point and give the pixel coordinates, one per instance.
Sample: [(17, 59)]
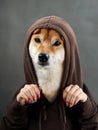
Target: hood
[(72, 73)]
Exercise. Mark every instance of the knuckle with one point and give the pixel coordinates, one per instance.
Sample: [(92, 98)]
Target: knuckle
[(66, 89), (29, 88), (32, 86), (26, 85), (81, 90), (78, 96), (73, 95), (35, 86), (22, 90), (77, 86), (19, 96)]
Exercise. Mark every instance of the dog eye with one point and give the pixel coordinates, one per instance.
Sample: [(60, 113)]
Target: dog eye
[(57, 43), (37, 40)]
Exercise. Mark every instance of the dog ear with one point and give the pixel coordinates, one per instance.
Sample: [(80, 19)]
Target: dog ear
[(36, 31)]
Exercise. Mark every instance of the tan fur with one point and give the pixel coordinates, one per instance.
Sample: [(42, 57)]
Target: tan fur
[(49, 77)]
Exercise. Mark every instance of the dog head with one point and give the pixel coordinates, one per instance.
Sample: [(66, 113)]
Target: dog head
[(46, 47)]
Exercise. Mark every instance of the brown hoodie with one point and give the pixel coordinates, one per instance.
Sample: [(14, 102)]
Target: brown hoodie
[(44, 115)]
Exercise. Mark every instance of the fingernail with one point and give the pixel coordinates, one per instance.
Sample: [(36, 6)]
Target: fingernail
[(33, 101), (71, 105), (29, 100), (38, 96)]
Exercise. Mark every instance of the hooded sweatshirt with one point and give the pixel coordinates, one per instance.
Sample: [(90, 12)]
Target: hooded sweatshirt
[(44, 115)]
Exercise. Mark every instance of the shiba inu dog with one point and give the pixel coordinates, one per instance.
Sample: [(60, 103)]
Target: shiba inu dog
[(55, 59), (46, 49)]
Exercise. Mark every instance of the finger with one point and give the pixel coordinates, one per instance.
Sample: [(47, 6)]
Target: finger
[(66, 90), (70, 90), (78, 98), (81, 97), (22, 98), (36, 90), (74, 96), (34, 95), (71, 93), (27, 92), (31, 89)]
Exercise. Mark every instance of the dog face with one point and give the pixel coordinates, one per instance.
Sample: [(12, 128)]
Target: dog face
[(46, 47)]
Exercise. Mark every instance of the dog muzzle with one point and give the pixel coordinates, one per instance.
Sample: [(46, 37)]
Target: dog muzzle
[(43, 59)]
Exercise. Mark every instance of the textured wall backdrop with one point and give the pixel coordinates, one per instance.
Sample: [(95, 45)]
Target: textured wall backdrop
[(15, 18)]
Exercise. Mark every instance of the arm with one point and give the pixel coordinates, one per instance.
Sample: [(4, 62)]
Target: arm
[(89, 115), (15, 117), (83, 105)]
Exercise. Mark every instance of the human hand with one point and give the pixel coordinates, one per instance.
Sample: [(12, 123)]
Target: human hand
[(28, 94), (73, 94)]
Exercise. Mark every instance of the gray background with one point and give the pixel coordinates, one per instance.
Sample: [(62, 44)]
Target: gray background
[(15, 18)]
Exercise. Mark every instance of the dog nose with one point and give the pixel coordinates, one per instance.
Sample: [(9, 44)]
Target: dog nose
[(43, 57)]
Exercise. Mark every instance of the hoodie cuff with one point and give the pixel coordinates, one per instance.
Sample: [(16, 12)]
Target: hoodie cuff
[(88, 108), (16, 109)]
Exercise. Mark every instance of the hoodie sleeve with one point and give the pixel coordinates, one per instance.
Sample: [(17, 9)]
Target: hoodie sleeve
[(89, 115), (15, 117)]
